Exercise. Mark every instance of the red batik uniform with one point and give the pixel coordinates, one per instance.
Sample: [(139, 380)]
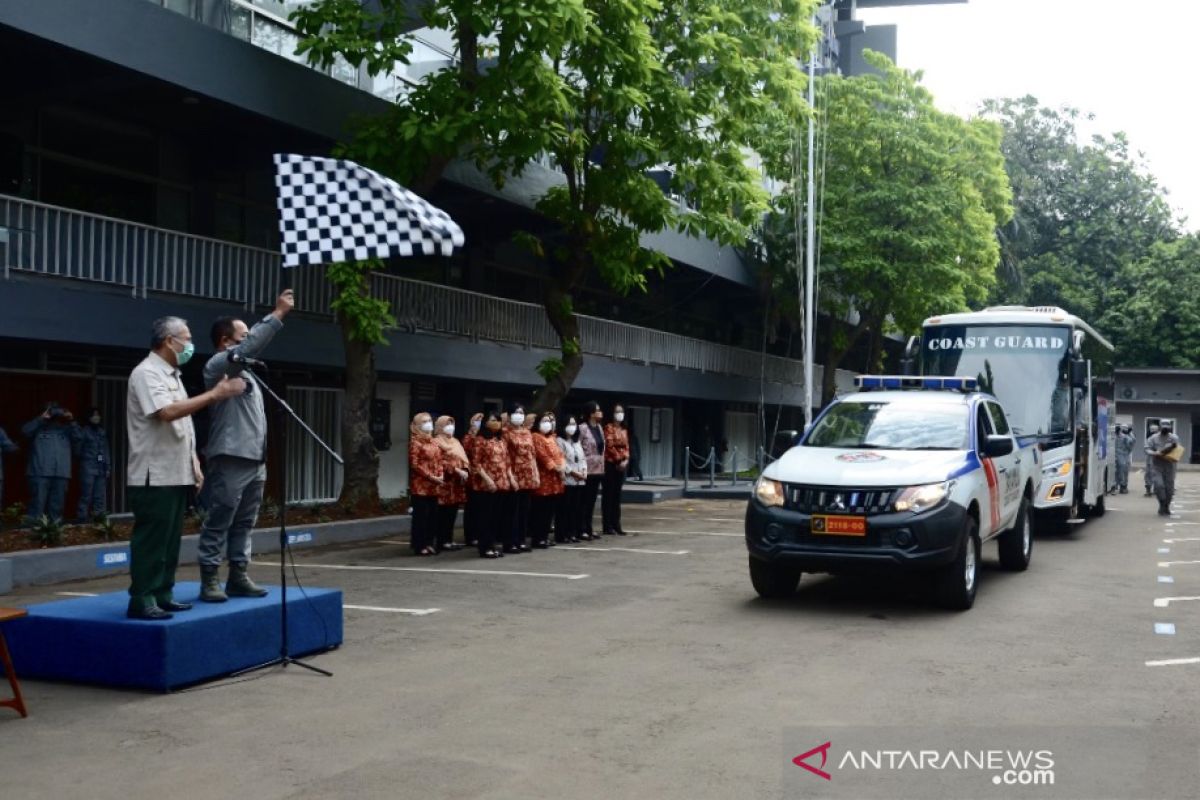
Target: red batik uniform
[(490, 456), (616, 443), (550, 462), (424, 466), (521, 458)]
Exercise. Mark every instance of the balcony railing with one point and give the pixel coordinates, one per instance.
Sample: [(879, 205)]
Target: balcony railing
[(47, 240)]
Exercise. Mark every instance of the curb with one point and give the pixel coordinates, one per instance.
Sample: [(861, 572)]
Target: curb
[(55, 565)]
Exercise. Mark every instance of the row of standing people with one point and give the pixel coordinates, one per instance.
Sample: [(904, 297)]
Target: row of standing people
[(517, 477)]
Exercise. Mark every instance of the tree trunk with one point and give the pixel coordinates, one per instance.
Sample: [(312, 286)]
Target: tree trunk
[(834, 355), (360, 481), (875, 347), (560, 312)]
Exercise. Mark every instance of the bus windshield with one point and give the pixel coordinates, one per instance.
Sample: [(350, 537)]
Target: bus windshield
[(1024, 366)]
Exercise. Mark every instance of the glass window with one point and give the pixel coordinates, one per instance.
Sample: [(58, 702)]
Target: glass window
[(344, 71), (999, 421), (983, 428), (239, 22), (892, 426)]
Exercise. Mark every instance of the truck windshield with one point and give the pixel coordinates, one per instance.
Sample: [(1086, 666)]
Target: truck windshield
[(892, 426), (1024, 366)]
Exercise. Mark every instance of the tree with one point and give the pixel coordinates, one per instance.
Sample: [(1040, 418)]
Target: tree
[(607, 90), (912, 198), (1154, 313), (1083, 212)]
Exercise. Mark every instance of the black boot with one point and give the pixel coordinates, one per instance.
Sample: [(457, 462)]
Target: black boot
[(210, 585), (240, 585)]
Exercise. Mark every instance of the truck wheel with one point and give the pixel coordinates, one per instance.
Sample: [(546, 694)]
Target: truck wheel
[(773, 581), (1016, 543), (958, 580)]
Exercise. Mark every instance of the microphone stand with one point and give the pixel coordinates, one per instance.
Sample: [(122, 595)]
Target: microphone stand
[(284, 658)]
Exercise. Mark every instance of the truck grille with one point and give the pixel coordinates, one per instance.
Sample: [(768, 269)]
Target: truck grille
[(838, 499)]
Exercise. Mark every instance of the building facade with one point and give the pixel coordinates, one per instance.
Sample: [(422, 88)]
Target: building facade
[(136, 181)]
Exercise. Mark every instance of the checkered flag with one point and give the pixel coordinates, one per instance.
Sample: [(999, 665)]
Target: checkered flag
[(333, 210)]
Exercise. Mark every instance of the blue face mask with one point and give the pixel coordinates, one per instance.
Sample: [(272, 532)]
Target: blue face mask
[(184, 355)]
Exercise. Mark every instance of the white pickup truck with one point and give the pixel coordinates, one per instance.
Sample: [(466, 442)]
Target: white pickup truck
[(908, 473)]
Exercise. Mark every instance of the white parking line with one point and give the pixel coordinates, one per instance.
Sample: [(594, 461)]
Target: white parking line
[(1171, 662), (1163, 602), (77, 594), (1163, 550), (1164, 628), (1165, 579), (1173, 524), (355, 567), (1187, 539), (1175, 563), (623, 550), (416, 612)]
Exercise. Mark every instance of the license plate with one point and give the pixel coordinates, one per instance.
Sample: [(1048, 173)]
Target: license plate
[(839, 526)]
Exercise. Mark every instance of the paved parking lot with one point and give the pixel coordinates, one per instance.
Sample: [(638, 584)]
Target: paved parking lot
[(643, 666)]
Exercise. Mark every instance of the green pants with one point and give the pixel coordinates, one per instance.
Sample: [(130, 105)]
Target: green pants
[(154, 549)]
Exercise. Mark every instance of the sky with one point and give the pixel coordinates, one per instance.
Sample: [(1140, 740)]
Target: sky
[(1135, 65)]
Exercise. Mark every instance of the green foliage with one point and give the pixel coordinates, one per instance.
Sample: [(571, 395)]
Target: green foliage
[(104, 529), (1087, 216), (364, 317), (47, 532), (13, 514), (549, 369), (608, 90), (912, 198), (1153, 313)]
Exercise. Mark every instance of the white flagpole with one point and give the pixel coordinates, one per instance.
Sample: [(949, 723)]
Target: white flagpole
[(809, 304)]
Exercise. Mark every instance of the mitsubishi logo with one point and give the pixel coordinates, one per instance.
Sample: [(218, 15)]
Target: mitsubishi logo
[(838, 504)]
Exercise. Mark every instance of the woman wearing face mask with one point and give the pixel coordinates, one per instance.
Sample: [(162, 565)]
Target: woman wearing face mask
[(425, 473), (548, 496), (470, 513), (452, 494), (591, 437), (490, 486), (616, 461), (522, 464), (567, 524)]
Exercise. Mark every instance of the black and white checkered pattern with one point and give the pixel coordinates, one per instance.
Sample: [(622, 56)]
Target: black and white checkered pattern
[(333, 210)]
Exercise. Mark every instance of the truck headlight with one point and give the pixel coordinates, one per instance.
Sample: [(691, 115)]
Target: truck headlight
[(1057, 469), (922, 498), (769, 492)]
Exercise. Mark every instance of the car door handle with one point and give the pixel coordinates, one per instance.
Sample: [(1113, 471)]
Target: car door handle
[(1003, 470)]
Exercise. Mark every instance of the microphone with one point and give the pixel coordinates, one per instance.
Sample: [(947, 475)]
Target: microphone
[(238, 358)]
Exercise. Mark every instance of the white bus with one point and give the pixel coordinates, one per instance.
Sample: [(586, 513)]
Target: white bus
[(1051, 372)]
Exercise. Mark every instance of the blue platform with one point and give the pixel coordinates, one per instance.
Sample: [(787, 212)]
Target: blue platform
[(89, 639)]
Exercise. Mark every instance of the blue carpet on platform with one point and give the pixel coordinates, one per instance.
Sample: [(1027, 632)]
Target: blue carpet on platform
[(89, 639)]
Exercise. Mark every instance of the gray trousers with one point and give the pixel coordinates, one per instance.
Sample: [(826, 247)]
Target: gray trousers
[(234, 490), (1122, 473), (1163, 481), (46, 497), (92, 486)]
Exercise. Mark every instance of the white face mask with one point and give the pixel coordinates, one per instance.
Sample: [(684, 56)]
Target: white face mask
[(619, 416), (475, 425), (427, 427), (546, 427), (449, 430), (517, 419), (570, 429)]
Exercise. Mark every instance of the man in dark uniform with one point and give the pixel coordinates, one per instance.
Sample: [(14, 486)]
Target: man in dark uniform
[(53, 436), (1158, 448), (6, 446), (95, 467)]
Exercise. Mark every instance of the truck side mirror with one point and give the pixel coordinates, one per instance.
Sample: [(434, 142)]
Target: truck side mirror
[(1079, 374), (997, 446)]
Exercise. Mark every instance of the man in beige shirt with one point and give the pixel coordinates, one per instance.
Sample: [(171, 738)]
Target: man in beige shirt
[(162, 464)]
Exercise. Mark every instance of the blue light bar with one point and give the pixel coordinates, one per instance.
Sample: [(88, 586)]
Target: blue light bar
[(951, 384)]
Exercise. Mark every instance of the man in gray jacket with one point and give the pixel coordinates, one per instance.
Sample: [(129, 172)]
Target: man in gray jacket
[(1162, 479), (237, 453), (53, 435)]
